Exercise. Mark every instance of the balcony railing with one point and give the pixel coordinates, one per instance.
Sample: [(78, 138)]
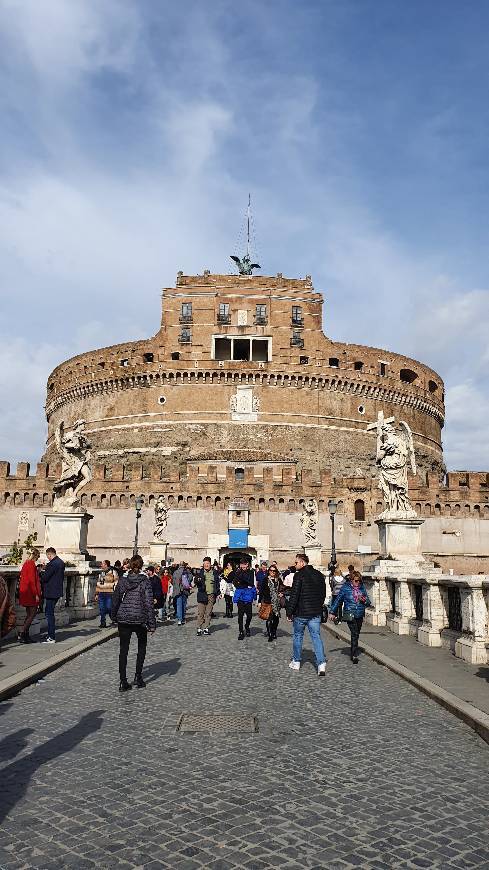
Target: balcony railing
[(184, 339), (185, 318), (297, 342), (261, 320), (297, 321), (224, 318)]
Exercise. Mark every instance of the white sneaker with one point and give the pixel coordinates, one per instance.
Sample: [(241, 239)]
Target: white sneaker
[(48, 640), (294, 666), (322, 670), (179, 622)]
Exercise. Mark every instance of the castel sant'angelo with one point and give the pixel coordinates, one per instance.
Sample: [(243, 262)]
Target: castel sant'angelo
[(239, 409)]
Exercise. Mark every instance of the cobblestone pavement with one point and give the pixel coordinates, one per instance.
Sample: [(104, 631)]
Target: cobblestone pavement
[(354, 770)]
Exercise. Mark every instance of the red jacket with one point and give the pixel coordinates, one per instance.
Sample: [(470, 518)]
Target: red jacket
[(30, 585)]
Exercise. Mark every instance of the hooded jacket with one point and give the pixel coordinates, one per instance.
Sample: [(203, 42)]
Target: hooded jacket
[(132, 601), (308, 593)]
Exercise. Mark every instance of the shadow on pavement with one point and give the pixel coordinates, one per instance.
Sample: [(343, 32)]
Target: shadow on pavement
[(14, 743), (483, 673), (159, 669), (16, 776)]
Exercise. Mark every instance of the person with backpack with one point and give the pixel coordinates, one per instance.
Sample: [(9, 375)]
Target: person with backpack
[(133, 610), (354, 598), (207, 582), (304, 609), (182, 584)]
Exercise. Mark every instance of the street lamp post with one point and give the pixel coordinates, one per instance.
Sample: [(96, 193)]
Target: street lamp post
[(332, 507), (139, 505)]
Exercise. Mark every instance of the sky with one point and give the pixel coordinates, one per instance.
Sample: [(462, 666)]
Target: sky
[(132, 132)]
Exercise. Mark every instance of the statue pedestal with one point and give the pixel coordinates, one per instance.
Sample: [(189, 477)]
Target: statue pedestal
[(67, 533), (313, 553), (401, 539), (158, 551)]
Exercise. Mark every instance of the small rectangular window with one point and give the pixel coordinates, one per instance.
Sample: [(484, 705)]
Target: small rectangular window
[(186, 309), (124, 362), (261, 314), (383, 369), (223, 313), (358, 366), (148, 357), (297, 315), (334, 363)]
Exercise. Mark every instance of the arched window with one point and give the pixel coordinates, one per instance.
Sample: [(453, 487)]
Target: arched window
[(359, 507), (407, 376)]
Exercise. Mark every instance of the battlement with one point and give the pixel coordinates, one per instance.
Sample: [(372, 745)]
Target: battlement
[(277, 485)]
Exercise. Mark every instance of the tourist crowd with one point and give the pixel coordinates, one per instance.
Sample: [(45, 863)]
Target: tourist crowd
[(134, 598)]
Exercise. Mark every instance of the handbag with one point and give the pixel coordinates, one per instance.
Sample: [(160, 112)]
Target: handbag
[(348, 616), (265, 611)]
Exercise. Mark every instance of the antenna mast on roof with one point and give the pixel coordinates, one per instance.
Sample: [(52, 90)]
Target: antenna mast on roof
[(244, 264)]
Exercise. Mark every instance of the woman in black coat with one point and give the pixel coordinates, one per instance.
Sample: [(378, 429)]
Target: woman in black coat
[(133, 610), (270, 592)]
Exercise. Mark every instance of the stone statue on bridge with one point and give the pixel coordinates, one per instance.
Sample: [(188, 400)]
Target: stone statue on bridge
[(161, 518), (74, 449), (309, 522), (395, 454)]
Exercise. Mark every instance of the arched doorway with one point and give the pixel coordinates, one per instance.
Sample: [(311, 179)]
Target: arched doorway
[(235, 556)]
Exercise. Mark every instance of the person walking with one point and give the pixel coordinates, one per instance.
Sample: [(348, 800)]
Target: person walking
[(354, 597), (270, 593), (207, 582), (304, 608), (227, 589), (165, 582), (7, 610), (52, 581), (261, 574), (243, 580), (106, 582), (133, 610), (182, 582), (29, 594), (336, 584)]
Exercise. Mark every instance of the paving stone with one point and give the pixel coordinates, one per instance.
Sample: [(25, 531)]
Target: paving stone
[(357, 770)]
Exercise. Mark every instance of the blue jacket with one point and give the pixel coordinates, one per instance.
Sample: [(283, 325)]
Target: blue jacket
[(244, 582), (202, 597), (356, 608), (52, 578)]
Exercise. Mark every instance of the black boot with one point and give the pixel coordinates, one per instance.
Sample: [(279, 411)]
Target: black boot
[(247, 632), (241, 635), (21, 638), (139, 682), (124, 686)]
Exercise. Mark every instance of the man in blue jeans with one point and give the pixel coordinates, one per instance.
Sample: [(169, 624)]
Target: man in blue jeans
[(52, 580), (304, 608)]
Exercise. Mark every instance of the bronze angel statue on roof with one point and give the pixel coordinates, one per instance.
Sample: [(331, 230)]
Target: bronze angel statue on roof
[(245, 266)]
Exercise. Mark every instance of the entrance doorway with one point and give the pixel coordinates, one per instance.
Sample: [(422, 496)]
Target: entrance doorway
[(235, 556)]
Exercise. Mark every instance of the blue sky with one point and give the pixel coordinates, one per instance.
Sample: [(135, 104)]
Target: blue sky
[(132, 131)]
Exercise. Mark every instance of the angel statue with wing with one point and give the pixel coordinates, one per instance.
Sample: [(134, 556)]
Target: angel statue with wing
[(76, 472), (245, 266), (395, 453)]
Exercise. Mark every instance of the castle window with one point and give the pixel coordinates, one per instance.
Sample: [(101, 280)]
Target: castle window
[(358, 366), (241, 349), (259, 350), (407, 376), (175, 354), (361, 409), (383, 369), (223, 315), (359, 508), (334, 363), (303, 360), (261, 315), (51, 386), (296, 340), (239, 474), (297, 318), (432, 386), (185, 336), (148, 357), (161, 400), (124, 362), (222, 348), (186, 314), (101, 364)]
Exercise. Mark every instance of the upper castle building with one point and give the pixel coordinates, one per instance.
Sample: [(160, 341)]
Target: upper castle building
[(241, 372)]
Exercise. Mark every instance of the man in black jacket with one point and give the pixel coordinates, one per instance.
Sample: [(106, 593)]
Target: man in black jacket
[(52, 580), (304, 608)]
